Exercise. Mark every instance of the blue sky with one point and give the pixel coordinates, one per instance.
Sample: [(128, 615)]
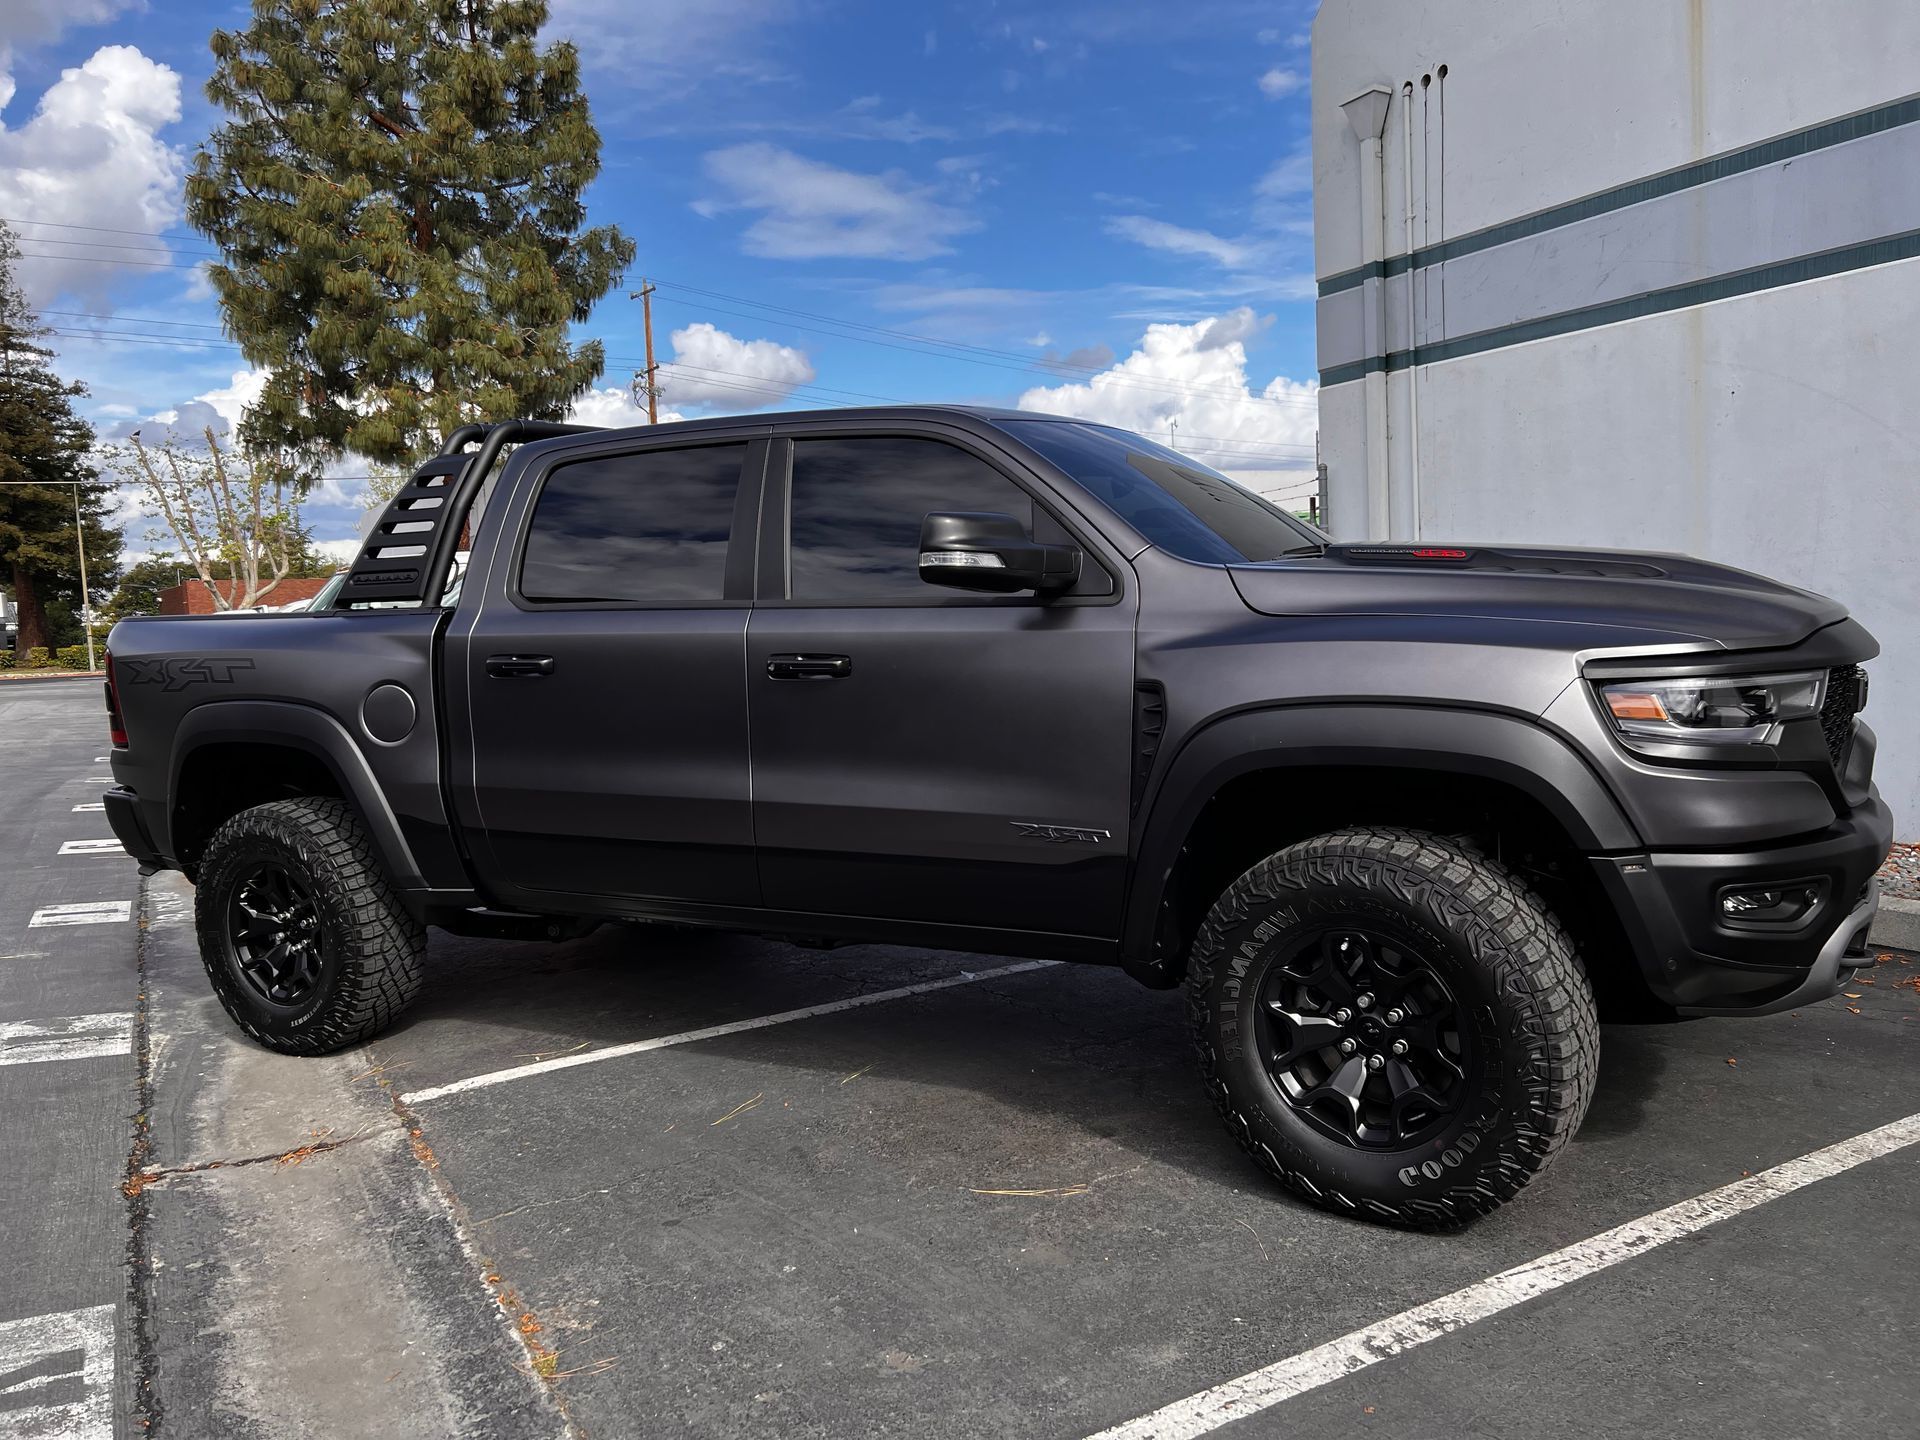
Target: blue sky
[(1102, 208)]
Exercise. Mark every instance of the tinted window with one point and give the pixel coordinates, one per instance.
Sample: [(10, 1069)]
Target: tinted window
[(650, 527), (858, 503), (1180, 506)]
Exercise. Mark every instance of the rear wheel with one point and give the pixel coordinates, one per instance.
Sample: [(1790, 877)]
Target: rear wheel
[(306, 942), (1392, 1025)]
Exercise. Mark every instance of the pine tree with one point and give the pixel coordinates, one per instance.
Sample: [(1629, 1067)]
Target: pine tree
[(44, 451), (398, 197)]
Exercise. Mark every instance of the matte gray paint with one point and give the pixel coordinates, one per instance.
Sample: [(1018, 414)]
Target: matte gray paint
[(628, 781)]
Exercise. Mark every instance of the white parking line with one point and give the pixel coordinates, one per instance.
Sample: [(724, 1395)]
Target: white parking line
[(714, 1032), (91, 912), (1236, 1399), (92, 805), (101, 759), (73, 1037), (92, 847), (43, 1358)]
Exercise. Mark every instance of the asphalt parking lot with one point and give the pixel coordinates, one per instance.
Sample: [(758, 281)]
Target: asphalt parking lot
[(954, 1196)]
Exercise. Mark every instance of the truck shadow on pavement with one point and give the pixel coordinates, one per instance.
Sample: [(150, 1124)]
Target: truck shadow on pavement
[(1075, 1044)]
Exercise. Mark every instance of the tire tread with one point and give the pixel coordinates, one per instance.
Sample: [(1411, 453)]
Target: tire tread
[(381, 945), (1508, 928)]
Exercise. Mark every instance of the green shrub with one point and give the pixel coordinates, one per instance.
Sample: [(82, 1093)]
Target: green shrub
[(6, 658), (38, 659), (72, 657)]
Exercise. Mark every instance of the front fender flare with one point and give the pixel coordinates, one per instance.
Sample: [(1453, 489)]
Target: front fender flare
[(297, 727), (1494, 745)]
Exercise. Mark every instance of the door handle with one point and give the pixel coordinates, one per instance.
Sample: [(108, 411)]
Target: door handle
[(512, 667), (809, 667)]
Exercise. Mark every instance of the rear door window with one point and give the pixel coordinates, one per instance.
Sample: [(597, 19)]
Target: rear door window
[(647, 528)]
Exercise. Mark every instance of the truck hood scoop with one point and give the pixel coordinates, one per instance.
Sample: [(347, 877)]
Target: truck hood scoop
[(1503, 560), (1666, 597)]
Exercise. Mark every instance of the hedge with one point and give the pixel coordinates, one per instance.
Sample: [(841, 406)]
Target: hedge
[(67, 657)]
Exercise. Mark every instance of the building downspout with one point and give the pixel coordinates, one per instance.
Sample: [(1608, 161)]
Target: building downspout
[(1367, 114)]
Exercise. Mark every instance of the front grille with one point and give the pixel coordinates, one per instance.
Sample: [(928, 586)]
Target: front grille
[(1836, 714)]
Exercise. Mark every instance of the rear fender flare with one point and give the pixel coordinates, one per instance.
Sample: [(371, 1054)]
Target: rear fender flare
[(1497, 746), (298, 727)]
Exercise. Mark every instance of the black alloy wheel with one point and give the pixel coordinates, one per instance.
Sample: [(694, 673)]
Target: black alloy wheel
[(273, 930), (1363, 1038)]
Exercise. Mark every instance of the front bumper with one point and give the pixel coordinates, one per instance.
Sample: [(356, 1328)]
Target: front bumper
[(1700, 963)]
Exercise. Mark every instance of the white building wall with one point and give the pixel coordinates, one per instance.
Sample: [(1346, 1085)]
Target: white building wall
[(1777, 430)]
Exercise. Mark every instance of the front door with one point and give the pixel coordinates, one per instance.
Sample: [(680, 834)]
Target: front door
[(921, 753), (606, 682)]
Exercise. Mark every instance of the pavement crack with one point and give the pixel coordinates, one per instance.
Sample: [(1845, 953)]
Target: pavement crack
[(543, 1204), (145, 1361), (542, 1362), (144, 1176)]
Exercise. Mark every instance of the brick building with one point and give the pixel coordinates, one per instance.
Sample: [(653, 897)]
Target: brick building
[(195, 596)]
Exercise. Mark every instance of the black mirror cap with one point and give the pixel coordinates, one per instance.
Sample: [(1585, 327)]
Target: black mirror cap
[(991, 553)]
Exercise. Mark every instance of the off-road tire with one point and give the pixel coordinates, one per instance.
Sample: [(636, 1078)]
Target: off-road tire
[(1515, 974), (370, 947)]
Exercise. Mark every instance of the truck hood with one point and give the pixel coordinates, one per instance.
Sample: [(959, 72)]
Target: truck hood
[(1664, 598)]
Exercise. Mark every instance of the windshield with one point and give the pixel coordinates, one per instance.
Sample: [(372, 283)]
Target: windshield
[(1178, 504)]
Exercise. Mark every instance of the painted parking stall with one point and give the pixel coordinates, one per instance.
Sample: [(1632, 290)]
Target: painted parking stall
[(68, 990), (694, 1184)]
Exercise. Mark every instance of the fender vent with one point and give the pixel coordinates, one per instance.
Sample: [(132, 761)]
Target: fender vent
[(1149, 726)]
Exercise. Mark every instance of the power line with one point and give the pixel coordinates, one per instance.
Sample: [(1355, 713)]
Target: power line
[(105, 260), (109, 245), (732, 381), (1022, 361), (1028, 366), (100, 229), (134, 319), (915, 343)]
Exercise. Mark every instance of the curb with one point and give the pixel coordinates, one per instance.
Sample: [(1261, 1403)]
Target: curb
[(1897, 926)]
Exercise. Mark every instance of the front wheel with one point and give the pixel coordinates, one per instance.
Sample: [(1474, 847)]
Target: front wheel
[(1392, 1025), (305, 940)]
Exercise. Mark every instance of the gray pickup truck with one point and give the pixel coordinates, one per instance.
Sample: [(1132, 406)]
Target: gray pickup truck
[(1405, 819)]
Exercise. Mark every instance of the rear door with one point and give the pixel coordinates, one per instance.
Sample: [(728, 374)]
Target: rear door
[(919, 752), (605, 673)]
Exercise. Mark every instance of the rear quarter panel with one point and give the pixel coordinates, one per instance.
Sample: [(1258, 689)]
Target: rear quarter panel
[(169, 669)]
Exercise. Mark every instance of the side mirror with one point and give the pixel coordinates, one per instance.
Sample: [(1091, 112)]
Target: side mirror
[(989, 552)]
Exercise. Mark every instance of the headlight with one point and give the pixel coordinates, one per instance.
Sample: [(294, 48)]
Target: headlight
[(1713, 710)]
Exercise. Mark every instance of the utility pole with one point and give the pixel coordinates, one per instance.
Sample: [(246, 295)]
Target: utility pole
[(647, 383), (1173, 433), (86, 600)]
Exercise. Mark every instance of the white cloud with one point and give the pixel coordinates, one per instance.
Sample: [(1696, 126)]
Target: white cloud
[(614, 407), (810, 210), (186, 421), (1179, 240), (232, 399), (91, 155), (712, 368), (683, 48), (342, 552), (1195, 377), (34, 22), (1280, 81)]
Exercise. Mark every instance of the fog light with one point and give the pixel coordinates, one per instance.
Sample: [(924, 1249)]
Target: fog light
[(1783, 904)]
